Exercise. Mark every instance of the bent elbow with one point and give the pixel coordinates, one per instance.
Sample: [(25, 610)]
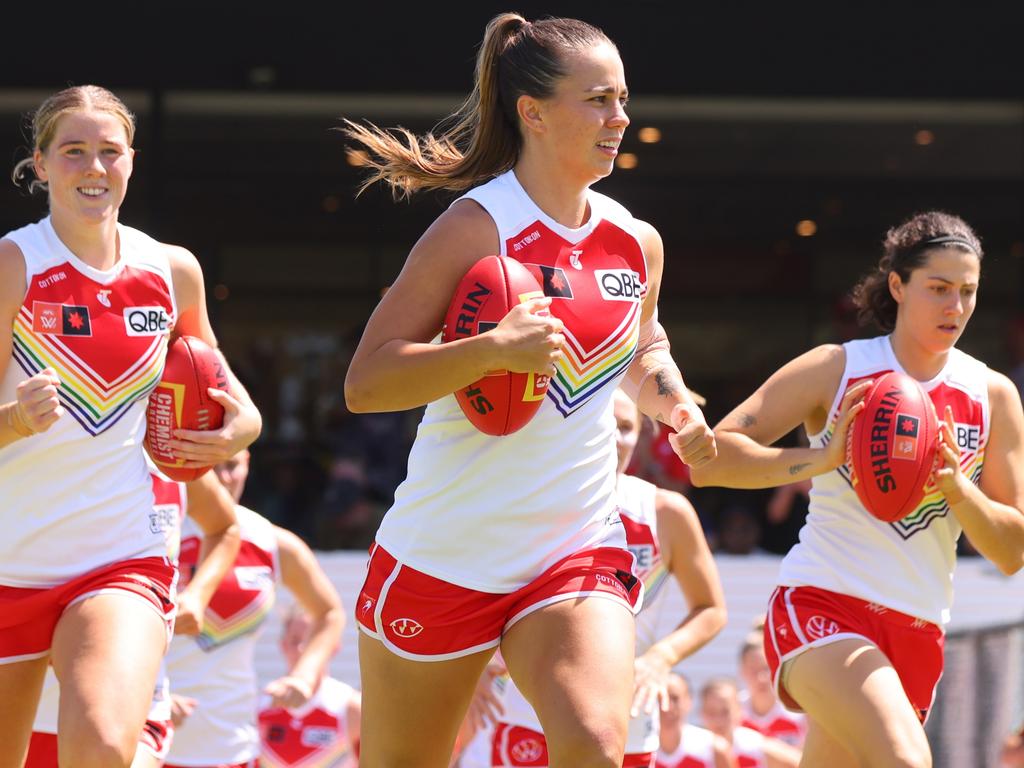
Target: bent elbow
[(356, 394)]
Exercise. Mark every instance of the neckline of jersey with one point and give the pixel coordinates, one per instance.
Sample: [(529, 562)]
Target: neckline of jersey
[(931, 383), (572, 235), (102, 276)]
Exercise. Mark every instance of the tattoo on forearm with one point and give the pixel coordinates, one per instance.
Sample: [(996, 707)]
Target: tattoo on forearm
[(669, 382), (796, 469), (746, 420)]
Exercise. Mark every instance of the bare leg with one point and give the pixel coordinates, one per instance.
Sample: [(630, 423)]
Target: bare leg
[(851, 690), (106, 653), (22, 683), (412, 710), (573, 661)]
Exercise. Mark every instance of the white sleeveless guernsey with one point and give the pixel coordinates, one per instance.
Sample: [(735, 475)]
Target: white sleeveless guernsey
[(168, 511), (492, 513), (908, 565), (216, 667), (748, 747), (637, 508), (315, 735), (695, 750), (78, 496)]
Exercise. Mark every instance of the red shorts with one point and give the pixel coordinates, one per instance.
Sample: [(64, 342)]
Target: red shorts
[(28, 616), (423, 618), (155, 739), (806, 617), (515, 746), (247, 764)]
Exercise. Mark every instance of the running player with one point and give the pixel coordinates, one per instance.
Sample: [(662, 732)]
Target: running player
[(87, 307), (761, 708), (665, 537), (322, 732), (683, 745), (505, 554), (854, 634), (208, 503), (721, 714), (213, 677)]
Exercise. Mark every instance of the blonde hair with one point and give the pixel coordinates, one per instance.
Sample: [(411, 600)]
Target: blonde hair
[(79, 98), (481, 139)]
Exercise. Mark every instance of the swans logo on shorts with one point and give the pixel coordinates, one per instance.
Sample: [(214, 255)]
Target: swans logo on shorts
[(818, 627), (406, 627), (526, 750)]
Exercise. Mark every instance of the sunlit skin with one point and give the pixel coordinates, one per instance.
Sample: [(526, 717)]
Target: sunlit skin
[(720, 710), (627, 429), (679, 704), (586, 111), (757, 677), (935, 304), (89, 153), (233, 473), (295, 636)]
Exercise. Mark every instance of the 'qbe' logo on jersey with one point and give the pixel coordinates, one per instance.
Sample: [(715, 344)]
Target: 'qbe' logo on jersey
[(146, 321), (619, 284), (818, 627), (406, 627)]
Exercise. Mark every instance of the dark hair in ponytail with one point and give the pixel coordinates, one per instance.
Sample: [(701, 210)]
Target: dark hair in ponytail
[(481, 139), (904, 249)]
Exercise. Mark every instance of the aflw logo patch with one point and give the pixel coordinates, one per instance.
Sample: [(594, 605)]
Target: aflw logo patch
[(60, 319)]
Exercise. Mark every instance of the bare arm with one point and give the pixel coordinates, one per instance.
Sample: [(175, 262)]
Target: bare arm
[(353, 719), (992, 515), (660, 391), (242, 420), (36, 406), (689, 559), (800, 392), (724, 758), (779, 754), (213, 509), (396, 368), (304, 577)]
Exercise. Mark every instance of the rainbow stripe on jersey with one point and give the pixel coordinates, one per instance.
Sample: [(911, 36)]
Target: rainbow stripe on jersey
[(77, 326)]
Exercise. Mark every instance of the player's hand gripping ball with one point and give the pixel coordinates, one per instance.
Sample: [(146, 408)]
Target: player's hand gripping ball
[(892, 445), (502, 401), (181, 401)]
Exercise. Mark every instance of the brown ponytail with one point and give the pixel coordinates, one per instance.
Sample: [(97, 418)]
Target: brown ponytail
[(905, 249), (481, 139)]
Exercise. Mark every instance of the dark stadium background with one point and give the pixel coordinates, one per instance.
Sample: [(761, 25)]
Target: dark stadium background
[(836, 114)]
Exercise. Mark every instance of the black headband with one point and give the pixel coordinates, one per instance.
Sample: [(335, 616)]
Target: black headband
[(944, 240)]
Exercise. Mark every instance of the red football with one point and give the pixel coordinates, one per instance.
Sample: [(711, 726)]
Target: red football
[(892, 446), (501, 402), (181, 401)]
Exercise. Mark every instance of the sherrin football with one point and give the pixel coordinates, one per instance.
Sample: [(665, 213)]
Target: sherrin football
[(892, 446), (181, 401), (502, 401)]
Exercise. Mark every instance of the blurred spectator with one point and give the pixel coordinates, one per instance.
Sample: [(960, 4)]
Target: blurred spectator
[(761, 708)]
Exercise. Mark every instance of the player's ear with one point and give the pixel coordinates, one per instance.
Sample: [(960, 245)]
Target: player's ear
[(531, 113), (896, 287)]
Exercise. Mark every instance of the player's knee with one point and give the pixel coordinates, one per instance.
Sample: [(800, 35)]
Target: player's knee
[(110, 747), (589, 747)]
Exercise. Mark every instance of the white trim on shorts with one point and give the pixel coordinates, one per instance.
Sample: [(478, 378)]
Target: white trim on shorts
[(805, 645), (379, 634), (569, 596), (24, 657)]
